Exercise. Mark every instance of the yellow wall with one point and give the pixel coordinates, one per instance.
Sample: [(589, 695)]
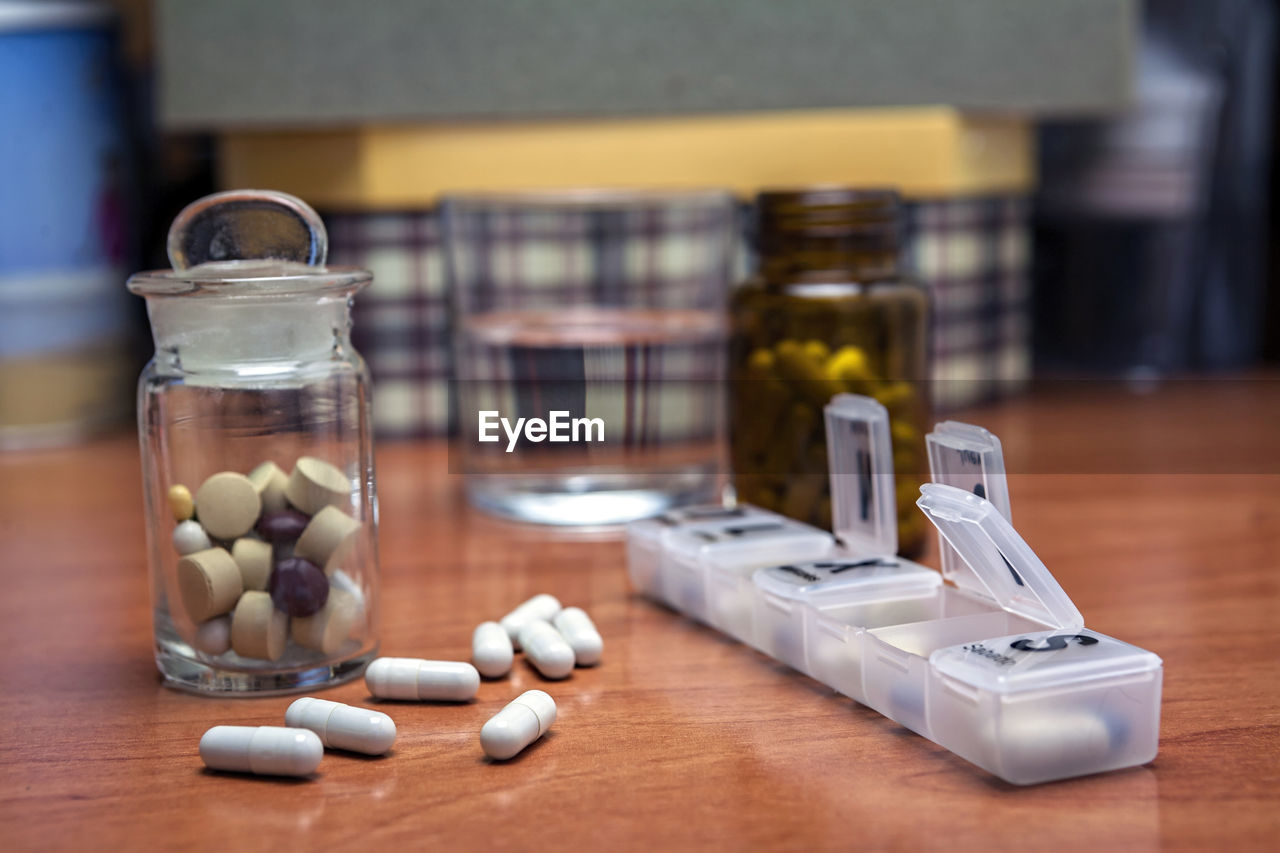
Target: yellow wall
[(925, 152)]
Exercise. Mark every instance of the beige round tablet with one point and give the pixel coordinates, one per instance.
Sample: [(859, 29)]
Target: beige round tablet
[(270, 481), (228, 505), (209, 583), (316, 484), (258, 630), (253, 556), (328, 628), (327, 538)]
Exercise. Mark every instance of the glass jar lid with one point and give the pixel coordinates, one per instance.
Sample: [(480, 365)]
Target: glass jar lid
[(248, 243)]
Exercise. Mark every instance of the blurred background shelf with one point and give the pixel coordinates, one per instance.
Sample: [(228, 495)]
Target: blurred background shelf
[(1087, 180), (325, 62)]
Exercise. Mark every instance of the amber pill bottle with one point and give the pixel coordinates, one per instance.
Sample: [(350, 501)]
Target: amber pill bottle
[(829, 311)]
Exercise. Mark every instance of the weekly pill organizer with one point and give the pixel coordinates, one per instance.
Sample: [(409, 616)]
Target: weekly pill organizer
[(989, 659)]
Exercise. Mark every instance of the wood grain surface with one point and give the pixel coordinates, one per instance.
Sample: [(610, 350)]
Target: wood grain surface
[(1159, 513)]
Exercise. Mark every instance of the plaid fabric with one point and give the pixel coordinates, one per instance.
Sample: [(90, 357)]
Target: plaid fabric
[(668, 256), (402, 322), (973, 253)]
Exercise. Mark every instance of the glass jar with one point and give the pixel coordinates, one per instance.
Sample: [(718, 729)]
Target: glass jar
[(257, 454), (828, 312)]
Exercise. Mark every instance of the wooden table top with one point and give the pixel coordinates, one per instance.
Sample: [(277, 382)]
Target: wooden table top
[(1158, 513)]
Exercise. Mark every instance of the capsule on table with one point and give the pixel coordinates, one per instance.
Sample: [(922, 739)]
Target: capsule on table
[(418, 680), (525, 719), (342, 726), (580, 633), (491, 650), (546, 649), (542, 606), (262, 750)]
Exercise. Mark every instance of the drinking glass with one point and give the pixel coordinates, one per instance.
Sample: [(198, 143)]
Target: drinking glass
[(589, 342)]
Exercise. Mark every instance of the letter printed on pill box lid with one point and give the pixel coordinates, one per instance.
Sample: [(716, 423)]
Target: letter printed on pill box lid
[(969, 458), (1000, 560), (864, 511)]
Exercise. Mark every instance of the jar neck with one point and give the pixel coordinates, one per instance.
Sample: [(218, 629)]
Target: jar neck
[(793, 259), (209, 334), (828, 232)]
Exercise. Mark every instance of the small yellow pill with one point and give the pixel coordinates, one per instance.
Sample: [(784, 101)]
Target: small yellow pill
[(849, 364), (902, 432), (760, 361), (896, 396), (180, 502), (816, 351)]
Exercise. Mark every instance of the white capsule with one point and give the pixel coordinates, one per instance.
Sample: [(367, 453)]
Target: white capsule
[(415, 679), (264, 750), (214, 636), (189, 537), (343, 726), (491, 650), (539, 607), (546, 649), (580, 633), (525, 719)]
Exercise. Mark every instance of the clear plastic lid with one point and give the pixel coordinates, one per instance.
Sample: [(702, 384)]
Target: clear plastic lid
[(1041, 660), (998, 562), (864, 514), (753, 532), (697, 520), (967, 457), (709, 513), (841, 573)]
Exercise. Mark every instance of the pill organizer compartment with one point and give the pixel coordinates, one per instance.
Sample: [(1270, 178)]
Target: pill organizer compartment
[(965, 457), (1045, 699), (817, 625), (834, 625), (1038, 706), (864, 569), (646, 539), (790, 599), (1022, 593), (706, 573)]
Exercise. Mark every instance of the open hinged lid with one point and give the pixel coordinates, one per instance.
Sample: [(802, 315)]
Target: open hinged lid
[(864, 514), (998, 563), (969, 458)]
